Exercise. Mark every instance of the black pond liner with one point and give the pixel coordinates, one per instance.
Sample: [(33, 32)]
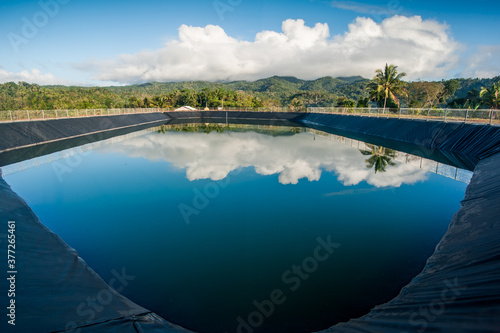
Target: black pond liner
[(29, 133), (457, 291)]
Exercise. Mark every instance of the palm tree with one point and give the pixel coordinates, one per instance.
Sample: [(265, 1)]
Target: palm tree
[(159, 101), (380, 157), (491, 96), (220, 93), (388, 83), (296, 104)]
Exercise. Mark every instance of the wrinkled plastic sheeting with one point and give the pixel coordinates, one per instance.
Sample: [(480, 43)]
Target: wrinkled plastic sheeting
[(54, 285), (476, 141), (459, 288), (26, 153), (456, 159), (457, 291), (150, 323), (207, 116), (20, 134)]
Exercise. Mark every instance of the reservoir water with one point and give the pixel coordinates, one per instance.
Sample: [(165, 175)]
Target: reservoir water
[(246, 229)]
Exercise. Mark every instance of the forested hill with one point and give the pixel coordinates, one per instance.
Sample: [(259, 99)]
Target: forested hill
[(273, 91), (280, 88)]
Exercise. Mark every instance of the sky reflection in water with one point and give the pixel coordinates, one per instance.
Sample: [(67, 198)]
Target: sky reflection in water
[(214, 226)]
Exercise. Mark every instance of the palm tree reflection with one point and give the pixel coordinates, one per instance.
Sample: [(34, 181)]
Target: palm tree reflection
[(380, 157)]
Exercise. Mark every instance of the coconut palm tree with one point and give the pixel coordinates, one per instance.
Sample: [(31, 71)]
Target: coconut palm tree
[(380, 157), (387, 83), (159, 101), (491, 96), (296, 104), (221, 94)]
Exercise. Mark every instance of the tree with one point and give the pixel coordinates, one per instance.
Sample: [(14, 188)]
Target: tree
[(159, 101), (425, 94), (431, 94), (204, 96), (108, 102), (450, 87), (134, 102), (188, 97), (380, 157), (491, 96), (386, 84), (296, 104), (470, 101), (220, 93), (257, 102), (362, 102), (345, 102)]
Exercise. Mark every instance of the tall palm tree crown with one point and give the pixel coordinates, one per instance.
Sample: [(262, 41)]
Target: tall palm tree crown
[(387, 83), (491, 96)]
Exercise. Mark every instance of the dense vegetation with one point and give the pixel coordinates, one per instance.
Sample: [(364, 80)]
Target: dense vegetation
[(273, 91), (387, 85), (219, 128)]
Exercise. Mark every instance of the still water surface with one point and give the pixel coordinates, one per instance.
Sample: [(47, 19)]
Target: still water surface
[(246, 231)]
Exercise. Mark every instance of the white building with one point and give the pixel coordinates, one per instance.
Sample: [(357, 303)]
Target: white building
[(186, 108)]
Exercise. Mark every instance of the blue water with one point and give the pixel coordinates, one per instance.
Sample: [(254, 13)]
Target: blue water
[(244, 231)]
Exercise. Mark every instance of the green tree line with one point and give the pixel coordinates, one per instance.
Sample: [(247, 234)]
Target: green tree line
[(386, 88)]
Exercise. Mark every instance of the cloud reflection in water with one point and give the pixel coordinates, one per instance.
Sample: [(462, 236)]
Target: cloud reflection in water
[(214, 155)]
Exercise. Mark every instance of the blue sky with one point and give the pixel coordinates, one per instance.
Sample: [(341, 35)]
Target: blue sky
[(121, 42)]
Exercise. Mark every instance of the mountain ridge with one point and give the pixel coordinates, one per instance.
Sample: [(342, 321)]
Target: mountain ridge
[(271, 91)]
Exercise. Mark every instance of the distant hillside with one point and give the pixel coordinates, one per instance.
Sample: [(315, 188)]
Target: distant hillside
[(277, 88), (471, 85), (325, 84), (272, 91), (159, 88), (351, 79)]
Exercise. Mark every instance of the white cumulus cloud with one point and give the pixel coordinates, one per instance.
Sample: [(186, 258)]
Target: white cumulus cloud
[(421, 48), (484, 63), (33, 76), (301, 156)]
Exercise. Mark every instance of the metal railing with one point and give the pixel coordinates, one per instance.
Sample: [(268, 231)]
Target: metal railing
[(28, 115), (418, 162), (483, 116), (82, 150), (491, 117), (261, 109)]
